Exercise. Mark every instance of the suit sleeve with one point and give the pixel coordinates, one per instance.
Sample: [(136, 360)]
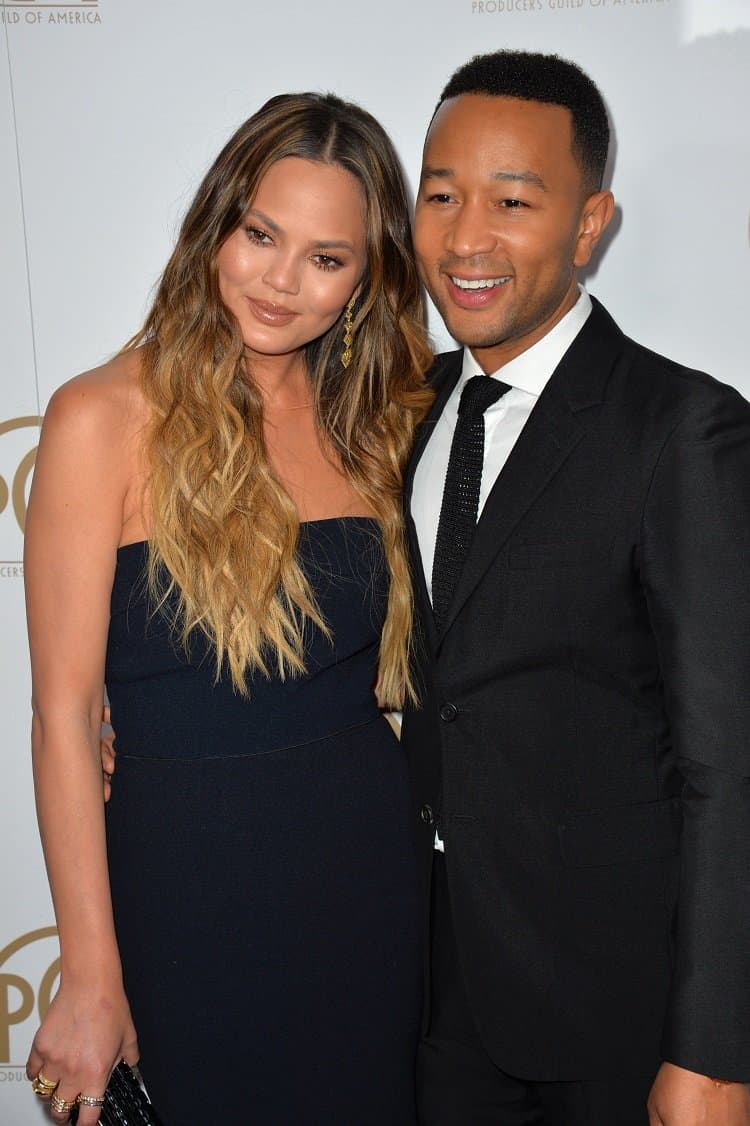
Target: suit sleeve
[(696, 574)]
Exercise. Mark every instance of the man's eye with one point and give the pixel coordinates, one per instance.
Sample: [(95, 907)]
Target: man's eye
[(439, 197), (512, 204)]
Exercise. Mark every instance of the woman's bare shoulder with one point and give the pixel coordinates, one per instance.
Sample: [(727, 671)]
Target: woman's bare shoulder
[(105, 403)]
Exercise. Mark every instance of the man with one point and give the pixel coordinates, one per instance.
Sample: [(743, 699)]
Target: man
[(581, 758)]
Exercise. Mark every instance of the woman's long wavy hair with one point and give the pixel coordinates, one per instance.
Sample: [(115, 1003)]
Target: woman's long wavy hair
[(223, 529)]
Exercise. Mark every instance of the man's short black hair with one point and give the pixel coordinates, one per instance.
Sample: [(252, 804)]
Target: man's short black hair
[(543, 78)]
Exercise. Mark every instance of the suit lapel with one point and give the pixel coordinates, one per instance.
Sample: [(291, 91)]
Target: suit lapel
[(443, 377), (556, 426)]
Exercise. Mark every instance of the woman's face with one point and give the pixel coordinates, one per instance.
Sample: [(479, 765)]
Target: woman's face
[(292, 265)]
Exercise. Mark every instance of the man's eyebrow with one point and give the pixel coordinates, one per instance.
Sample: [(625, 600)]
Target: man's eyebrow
[(532, 178), (430, 172)]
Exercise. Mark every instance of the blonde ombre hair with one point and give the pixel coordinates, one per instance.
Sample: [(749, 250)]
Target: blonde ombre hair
[(224, 531)]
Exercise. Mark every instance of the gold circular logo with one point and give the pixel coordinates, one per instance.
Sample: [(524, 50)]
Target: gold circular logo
[(17, 490), (17, 994)]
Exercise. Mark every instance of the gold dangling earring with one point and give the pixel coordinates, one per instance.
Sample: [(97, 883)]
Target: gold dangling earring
[(346, 355)]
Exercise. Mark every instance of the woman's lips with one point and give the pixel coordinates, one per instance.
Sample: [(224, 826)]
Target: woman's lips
[(270, 314)]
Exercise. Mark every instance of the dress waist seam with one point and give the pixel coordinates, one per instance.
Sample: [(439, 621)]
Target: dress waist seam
[(197, 759)]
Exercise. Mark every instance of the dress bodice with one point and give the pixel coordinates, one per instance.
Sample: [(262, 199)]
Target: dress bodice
[(167, 703)]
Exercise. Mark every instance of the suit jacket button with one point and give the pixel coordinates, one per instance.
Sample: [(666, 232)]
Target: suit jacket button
[(448, 712), (425, 814)]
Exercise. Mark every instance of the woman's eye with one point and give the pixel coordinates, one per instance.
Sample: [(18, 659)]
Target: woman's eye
[(327, 262), (439, 197), (255, 234)]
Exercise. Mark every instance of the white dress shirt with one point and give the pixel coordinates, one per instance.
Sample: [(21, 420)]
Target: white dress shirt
[(527, 375)]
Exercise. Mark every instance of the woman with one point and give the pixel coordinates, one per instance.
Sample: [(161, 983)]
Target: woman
[(216, 518)]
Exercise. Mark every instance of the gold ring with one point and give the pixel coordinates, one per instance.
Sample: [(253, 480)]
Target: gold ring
[(61, 1106), (90, 1100), (43, 1086)]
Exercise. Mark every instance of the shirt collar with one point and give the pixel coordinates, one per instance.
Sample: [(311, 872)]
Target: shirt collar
[(531, 370)]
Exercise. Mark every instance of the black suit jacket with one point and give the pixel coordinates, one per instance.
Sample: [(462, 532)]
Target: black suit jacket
[(584, 735)]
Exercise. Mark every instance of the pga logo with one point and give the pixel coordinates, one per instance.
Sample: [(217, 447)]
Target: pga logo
[(18, 445), (29, 972)]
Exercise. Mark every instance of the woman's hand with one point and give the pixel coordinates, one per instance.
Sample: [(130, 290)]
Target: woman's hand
[(86, 1032)]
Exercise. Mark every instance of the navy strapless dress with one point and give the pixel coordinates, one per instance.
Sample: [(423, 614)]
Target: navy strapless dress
[(262, 866)]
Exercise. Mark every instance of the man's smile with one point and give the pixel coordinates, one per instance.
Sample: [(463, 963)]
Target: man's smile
[(477, 283)]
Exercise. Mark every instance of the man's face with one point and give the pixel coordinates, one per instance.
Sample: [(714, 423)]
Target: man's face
[(503, 220)]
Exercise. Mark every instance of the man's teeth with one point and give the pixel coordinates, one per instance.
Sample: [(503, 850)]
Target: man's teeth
[(477, 283)]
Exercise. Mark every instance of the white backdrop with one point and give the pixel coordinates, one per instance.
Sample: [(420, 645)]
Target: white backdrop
[(111, 110)]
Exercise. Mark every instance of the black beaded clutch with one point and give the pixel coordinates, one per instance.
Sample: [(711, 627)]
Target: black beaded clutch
[(125, 1101)]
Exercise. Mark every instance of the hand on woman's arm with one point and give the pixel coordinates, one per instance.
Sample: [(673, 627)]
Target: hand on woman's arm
[(684, 1098), (107, 752), (73, 529)]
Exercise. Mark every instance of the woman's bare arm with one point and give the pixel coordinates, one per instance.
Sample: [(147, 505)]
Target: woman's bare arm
[(74, 525)]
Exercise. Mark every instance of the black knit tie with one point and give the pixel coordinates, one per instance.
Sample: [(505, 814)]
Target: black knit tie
[(458, 512)]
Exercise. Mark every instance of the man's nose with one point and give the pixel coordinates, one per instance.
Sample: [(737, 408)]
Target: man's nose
[(471, 231)]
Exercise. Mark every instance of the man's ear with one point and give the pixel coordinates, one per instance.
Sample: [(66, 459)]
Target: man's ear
[(595, 215)]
